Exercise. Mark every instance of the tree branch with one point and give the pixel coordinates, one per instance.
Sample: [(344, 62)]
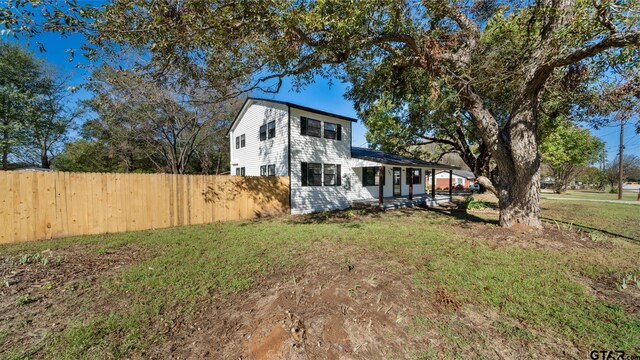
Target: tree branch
[(616, 40)]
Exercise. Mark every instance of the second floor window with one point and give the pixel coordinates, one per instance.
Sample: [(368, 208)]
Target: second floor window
[(263, 132), (310, 127), (271, 129), (332, 131), (240, 141)]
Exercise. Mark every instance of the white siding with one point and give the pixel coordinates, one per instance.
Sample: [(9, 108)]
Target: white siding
[(305, 199), (371, 192), (256, 152)]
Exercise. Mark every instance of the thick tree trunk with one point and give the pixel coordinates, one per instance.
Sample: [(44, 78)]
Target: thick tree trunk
[(519, 200), (519, 166)]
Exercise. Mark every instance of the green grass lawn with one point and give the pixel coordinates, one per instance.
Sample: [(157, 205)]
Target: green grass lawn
[(536, 292), (627, 195), (621, 219)]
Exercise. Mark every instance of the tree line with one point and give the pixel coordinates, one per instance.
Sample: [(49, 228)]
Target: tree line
[(490, 80), (131, 123)]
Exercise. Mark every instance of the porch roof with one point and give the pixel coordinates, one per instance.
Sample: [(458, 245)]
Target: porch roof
[(385, 158)]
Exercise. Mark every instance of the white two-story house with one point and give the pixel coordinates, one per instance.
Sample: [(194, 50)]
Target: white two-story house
[(313, 148)]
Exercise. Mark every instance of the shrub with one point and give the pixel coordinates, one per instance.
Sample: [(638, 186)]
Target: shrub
[(471, 204)]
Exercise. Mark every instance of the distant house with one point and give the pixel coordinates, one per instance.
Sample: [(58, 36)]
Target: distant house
[(313, 148), (459, 178)]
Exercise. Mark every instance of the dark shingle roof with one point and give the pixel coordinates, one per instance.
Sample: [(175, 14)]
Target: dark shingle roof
[(292, 105), (393, 159)]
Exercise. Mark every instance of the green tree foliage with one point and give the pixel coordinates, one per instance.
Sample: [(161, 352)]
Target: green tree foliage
[(87, 156), (142, 121), (592, 177), (19, 83), (48, 126), (567, 150), (34, 114), (495, 58)]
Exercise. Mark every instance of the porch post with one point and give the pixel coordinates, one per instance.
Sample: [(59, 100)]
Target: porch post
[(450, 185), (410, 178), (381, 186), (433, 184)]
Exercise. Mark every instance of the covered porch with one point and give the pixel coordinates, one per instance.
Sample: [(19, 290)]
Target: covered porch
[(394, 181), (404, 201)]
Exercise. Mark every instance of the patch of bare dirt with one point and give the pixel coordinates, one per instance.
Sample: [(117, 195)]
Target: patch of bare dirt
[(344, 304), (549, 237), (339, 305), (41, 292), (609, 290)]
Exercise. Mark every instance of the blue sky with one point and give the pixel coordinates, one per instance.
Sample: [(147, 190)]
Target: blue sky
[(320, 95)]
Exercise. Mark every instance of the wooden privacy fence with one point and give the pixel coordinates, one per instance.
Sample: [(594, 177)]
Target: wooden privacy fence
[(45, 205)]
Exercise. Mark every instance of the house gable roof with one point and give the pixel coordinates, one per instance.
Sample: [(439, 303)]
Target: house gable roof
[(465, 174), (393, 159), (291, 105)]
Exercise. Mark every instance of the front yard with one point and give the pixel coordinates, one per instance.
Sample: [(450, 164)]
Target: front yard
[(400, 284)]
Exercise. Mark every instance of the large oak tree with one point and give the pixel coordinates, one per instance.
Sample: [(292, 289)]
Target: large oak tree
[(263, 41)]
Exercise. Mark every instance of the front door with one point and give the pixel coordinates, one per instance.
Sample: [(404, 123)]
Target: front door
[(397, 184)]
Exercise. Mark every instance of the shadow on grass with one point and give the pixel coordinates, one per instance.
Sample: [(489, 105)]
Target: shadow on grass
[(463, 215), (349, 217), (590, 228), (335, 216)]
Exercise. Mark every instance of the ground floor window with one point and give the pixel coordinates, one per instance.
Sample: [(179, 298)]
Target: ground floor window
[(311, 174), (417, 176), (332, 174), (269, 170), (370, 176), (240, 171)]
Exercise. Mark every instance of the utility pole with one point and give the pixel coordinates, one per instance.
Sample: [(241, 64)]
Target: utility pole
[(620, 159)]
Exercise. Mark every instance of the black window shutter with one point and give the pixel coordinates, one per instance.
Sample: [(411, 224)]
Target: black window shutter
[(339, 132), (304, 174), (409, 174), (338, 172), (303, 126)]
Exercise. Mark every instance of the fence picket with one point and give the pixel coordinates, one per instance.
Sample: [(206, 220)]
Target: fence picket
[(45, 205)]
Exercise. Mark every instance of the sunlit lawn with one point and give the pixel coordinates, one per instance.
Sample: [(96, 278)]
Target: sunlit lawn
[(627, 195), (532, 287)]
